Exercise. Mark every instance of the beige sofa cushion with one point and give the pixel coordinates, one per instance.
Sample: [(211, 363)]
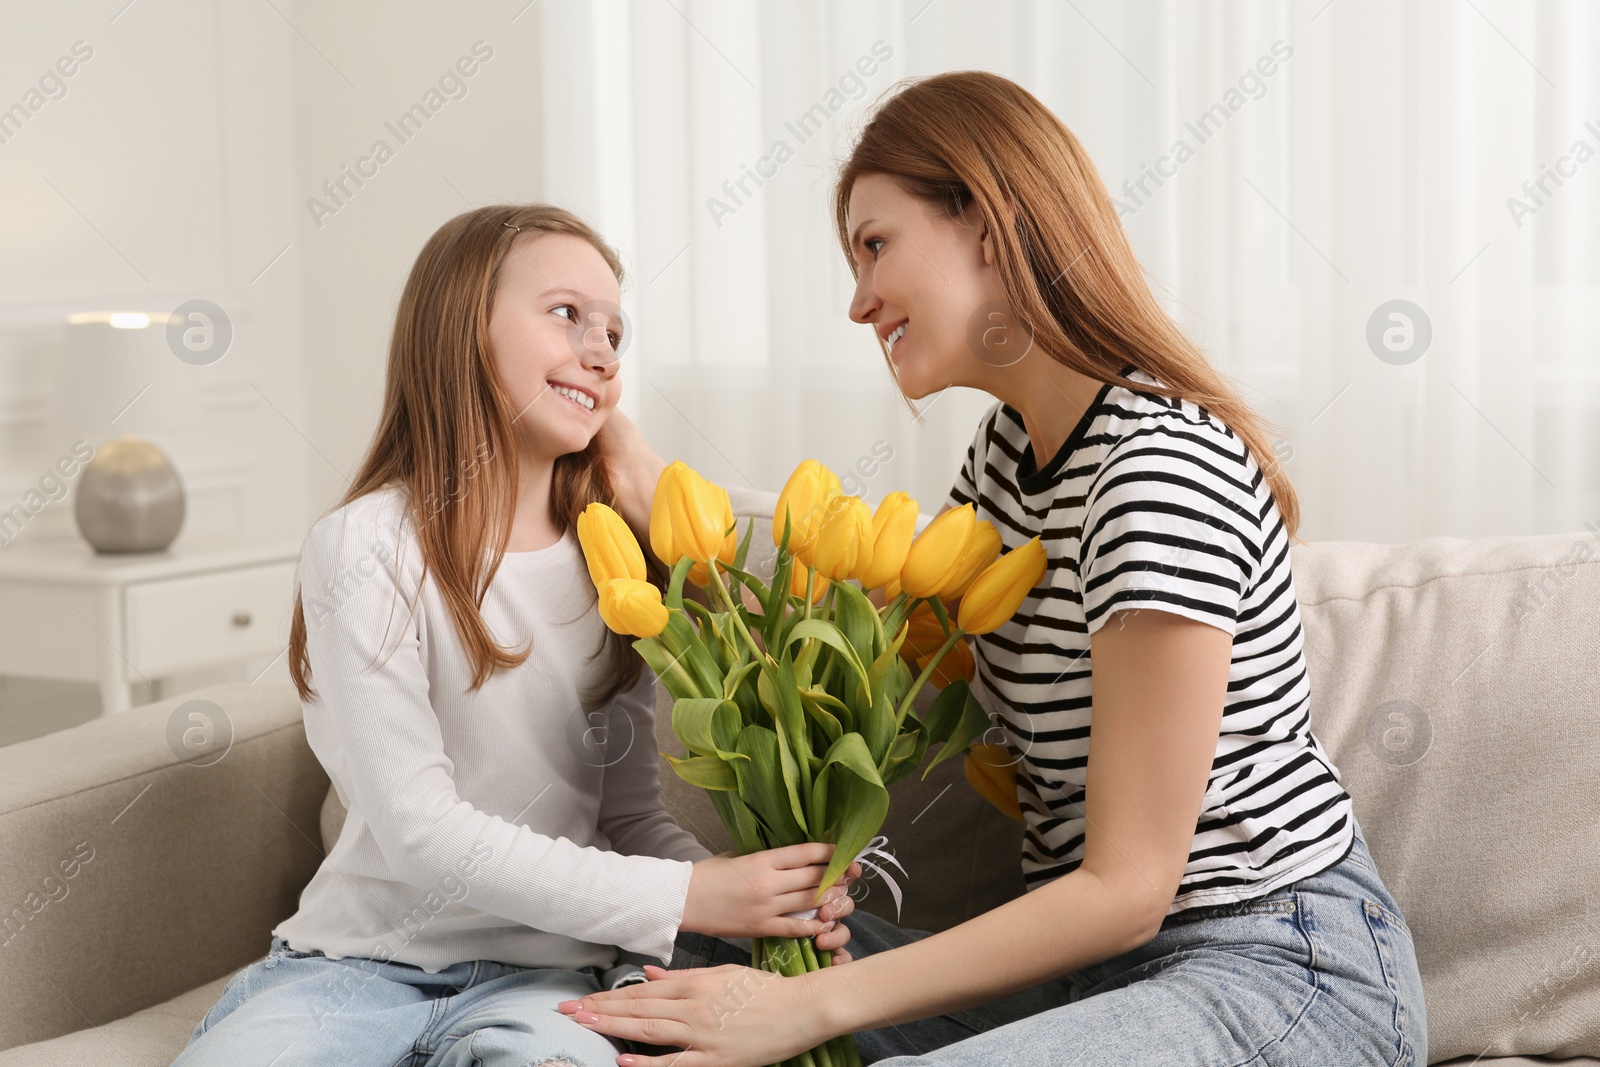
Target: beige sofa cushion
[(150, 1038), (1456, 684), (185, 868)]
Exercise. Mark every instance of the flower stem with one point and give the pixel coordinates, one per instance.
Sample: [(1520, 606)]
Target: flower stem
[(891, 616), (738, 621), (927, 672), (808, 955)]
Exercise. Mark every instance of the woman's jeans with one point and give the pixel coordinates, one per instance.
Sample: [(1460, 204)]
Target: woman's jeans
[(295, 1009), (1320, 971)]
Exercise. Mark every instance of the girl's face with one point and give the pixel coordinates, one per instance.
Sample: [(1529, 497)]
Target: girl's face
[(927, 274), (554, 330)]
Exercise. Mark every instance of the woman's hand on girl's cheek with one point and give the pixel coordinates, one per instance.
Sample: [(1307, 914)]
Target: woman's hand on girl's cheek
[(732, 1016), (634, 465)]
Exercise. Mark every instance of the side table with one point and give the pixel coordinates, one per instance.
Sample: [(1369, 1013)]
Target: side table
[(71, 614)]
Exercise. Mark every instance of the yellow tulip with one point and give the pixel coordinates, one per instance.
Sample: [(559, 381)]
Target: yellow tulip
[(630, 606), (609, 547), (803, 496), (992, 773), (997, 593), (697, 517), (661, 542), (843, 546), (797, 585), (934, 556), (893, 526), (982, 549), (700, 573), (685, 516)]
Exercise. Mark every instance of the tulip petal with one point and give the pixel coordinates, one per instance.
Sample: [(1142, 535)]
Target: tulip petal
[(997, 593), (937, 551)]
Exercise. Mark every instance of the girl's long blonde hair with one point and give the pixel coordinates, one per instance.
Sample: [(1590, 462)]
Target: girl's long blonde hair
[(447, 435), (1068, 270)]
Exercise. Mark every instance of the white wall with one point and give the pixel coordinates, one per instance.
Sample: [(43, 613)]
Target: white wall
[(181, 159), (165, 172)]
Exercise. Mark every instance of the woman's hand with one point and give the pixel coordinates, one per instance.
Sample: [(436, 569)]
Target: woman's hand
[(728, 1016), (747, 896), (635, 469)]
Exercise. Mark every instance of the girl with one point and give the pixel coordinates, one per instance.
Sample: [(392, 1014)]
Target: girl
[(1199, 890), (506, 835)]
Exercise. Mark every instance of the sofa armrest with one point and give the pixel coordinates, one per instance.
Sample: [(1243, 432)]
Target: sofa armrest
[(131, 876)]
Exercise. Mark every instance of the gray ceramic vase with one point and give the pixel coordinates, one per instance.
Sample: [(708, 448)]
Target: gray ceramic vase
[(129, 498)]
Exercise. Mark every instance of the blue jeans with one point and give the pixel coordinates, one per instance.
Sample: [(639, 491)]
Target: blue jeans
[(302, 1008), (1320, 971)]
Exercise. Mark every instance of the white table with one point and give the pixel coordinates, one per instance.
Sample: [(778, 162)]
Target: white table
[(71, 614)]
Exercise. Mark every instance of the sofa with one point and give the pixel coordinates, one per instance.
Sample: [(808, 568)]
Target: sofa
[(1455, 683)]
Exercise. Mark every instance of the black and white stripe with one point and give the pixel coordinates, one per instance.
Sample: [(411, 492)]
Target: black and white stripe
[(1154, 503)]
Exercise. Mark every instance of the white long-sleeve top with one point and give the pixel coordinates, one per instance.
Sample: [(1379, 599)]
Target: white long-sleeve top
[(481, 825)]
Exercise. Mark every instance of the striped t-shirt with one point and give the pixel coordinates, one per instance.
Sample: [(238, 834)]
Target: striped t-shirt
[(1154, 503)]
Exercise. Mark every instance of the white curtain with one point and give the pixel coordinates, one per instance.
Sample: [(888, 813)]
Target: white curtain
[(1287, 170)]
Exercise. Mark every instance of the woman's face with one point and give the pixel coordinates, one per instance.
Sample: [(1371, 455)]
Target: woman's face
[(929, 273), (554, 329)]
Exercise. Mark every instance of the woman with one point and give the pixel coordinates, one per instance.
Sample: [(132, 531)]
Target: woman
[(1199, 891)]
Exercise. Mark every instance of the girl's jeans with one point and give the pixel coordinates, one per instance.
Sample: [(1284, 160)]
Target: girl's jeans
[(1320, 971), (295, 1009)]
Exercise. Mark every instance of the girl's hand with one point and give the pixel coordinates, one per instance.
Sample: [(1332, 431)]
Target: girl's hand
[(728, 1016), (746, 896)]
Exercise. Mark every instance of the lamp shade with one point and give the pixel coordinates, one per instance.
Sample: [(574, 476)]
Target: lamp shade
[(117, 375)]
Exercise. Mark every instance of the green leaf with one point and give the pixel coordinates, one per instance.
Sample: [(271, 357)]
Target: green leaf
[(707, 772), (750, 707), (681, 642), (711, 635), (781, 695), (804, 662), (730, 684), (763, 594), (761, 785), (974, 720), (821, 714), (828, 634), (945, 712), (743, 826), (849, 801), (678, 679), (858, 620), (898, 763), (793, 770), (877, 723), (707, 726), (674, 597)]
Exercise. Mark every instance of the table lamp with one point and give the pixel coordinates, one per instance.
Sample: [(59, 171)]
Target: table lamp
[(117, 381)]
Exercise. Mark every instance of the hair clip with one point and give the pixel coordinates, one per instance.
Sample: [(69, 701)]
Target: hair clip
[(514, 229)]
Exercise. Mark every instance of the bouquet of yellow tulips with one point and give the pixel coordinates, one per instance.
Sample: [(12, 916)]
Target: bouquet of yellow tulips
[(796, 718)]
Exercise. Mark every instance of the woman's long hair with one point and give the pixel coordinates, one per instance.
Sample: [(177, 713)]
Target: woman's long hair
[(447, 435), (1068, 271)]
